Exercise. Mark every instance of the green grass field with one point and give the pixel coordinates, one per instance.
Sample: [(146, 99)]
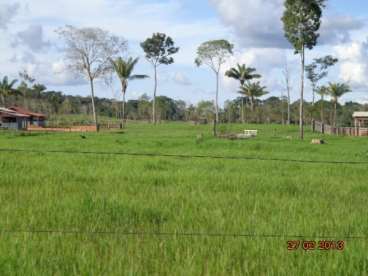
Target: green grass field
[(90, 193)]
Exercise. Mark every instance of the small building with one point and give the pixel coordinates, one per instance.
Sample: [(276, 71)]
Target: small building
[(10, 119), (361, 123), (360, 119), (20, 118), (35, 119)]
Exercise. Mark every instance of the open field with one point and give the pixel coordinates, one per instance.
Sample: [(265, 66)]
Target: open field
[(127, 194)]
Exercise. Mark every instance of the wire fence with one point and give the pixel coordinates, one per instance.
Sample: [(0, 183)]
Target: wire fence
[(184, 234), (137, 154)]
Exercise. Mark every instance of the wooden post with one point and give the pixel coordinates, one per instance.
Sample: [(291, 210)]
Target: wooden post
[(323, 128)]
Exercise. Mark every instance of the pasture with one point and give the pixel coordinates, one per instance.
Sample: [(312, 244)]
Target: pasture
[(164, 214)]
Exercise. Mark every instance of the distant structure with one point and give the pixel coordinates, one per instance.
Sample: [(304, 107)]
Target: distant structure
[(19, 118), (35, 119), (360, 119), (360, 126)]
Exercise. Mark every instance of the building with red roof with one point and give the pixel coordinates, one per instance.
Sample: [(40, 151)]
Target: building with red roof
[(19, 118)]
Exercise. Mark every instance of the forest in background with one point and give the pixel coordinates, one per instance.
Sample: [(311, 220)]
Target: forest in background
[(270, 110)]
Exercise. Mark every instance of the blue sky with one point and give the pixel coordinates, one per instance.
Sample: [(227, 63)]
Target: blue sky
[(29, 42)]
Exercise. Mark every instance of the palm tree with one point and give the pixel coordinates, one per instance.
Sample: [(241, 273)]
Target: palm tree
[(322, 91), (242, 73), (337, 90), (6, 88), (253, 91), (124, 70)]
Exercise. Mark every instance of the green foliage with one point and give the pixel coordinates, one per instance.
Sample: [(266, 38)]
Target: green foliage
[(214, 53), (6, 87), (242, 73), (337, 90), (322, 91), (253, 91), (159, 49), (124, 71), (317, 70), (302, 20)]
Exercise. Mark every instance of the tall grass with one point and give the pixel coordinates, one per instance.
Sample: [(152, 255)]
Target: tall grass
[(88, 193)]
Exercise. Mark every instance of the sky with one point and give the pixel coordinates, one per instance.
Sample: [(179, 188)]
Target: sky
[(28, 41)]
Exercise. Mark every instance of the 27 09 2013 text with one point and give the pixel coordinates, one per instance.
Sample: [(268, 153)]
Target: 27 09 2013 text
[(294, 245)]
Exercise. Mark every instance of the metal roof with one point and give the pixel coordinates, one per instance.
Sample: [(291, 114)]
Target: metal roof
[(11, 113), (360, 114), (22, 110)]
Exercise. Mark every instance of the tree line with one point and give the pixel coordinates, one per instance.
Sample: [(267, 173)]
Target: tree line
[(244, 109), (96, 54)]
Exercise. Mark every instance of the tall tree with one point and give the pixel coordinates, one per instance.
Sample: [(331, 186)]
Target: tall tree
[(159, 50), (318, 70), (38, 89), (6, 87), (26, 82), (88, 52), (253, 91), (322, 91), (124, 71), (214, 54), (288, 90), (242, 73), (336, 91), (302, 20)]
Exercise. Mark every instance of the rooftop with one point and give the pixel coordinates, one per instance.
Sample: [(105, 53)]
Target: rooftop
[(360, 114), (27, 112), (5, 112)]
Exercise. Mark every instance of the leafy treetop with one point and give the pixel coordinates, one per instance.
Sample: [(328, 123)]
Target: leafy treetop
[(214, 53), (302, 20), (159, 49), (317, 70)]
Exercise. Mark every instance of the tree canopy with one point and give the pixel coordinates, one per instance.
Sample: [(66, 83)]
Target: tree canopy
[(214, 53), (302, 20), (159, 49), (242, 73)]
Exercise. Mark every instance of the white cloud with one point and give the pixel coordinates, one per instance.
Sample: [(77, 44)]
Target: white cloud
[(7, 13), (33, 38), (254, 25), (62, 76), (354, 63), (181, 79), (257, 23)]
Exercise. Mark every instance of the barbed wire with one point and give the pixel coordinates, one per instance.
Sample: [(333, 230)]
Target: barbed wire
[(184, 234), (137, 154)]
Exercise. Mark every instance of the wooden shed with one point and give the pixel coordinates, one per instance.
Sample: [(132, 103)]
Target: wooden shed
[(361, 123)]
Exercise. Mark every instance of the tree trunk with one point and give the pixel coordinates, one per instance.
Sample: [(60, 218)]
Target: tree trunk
[(93, 104), (154, 99), (217, 94), (322, 109), (335, 114), (242, 113), (252, 104), (288, 107), (123, 111), (2, 100), (301, 111), (282, 109), (216, 120), (313, 100)]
